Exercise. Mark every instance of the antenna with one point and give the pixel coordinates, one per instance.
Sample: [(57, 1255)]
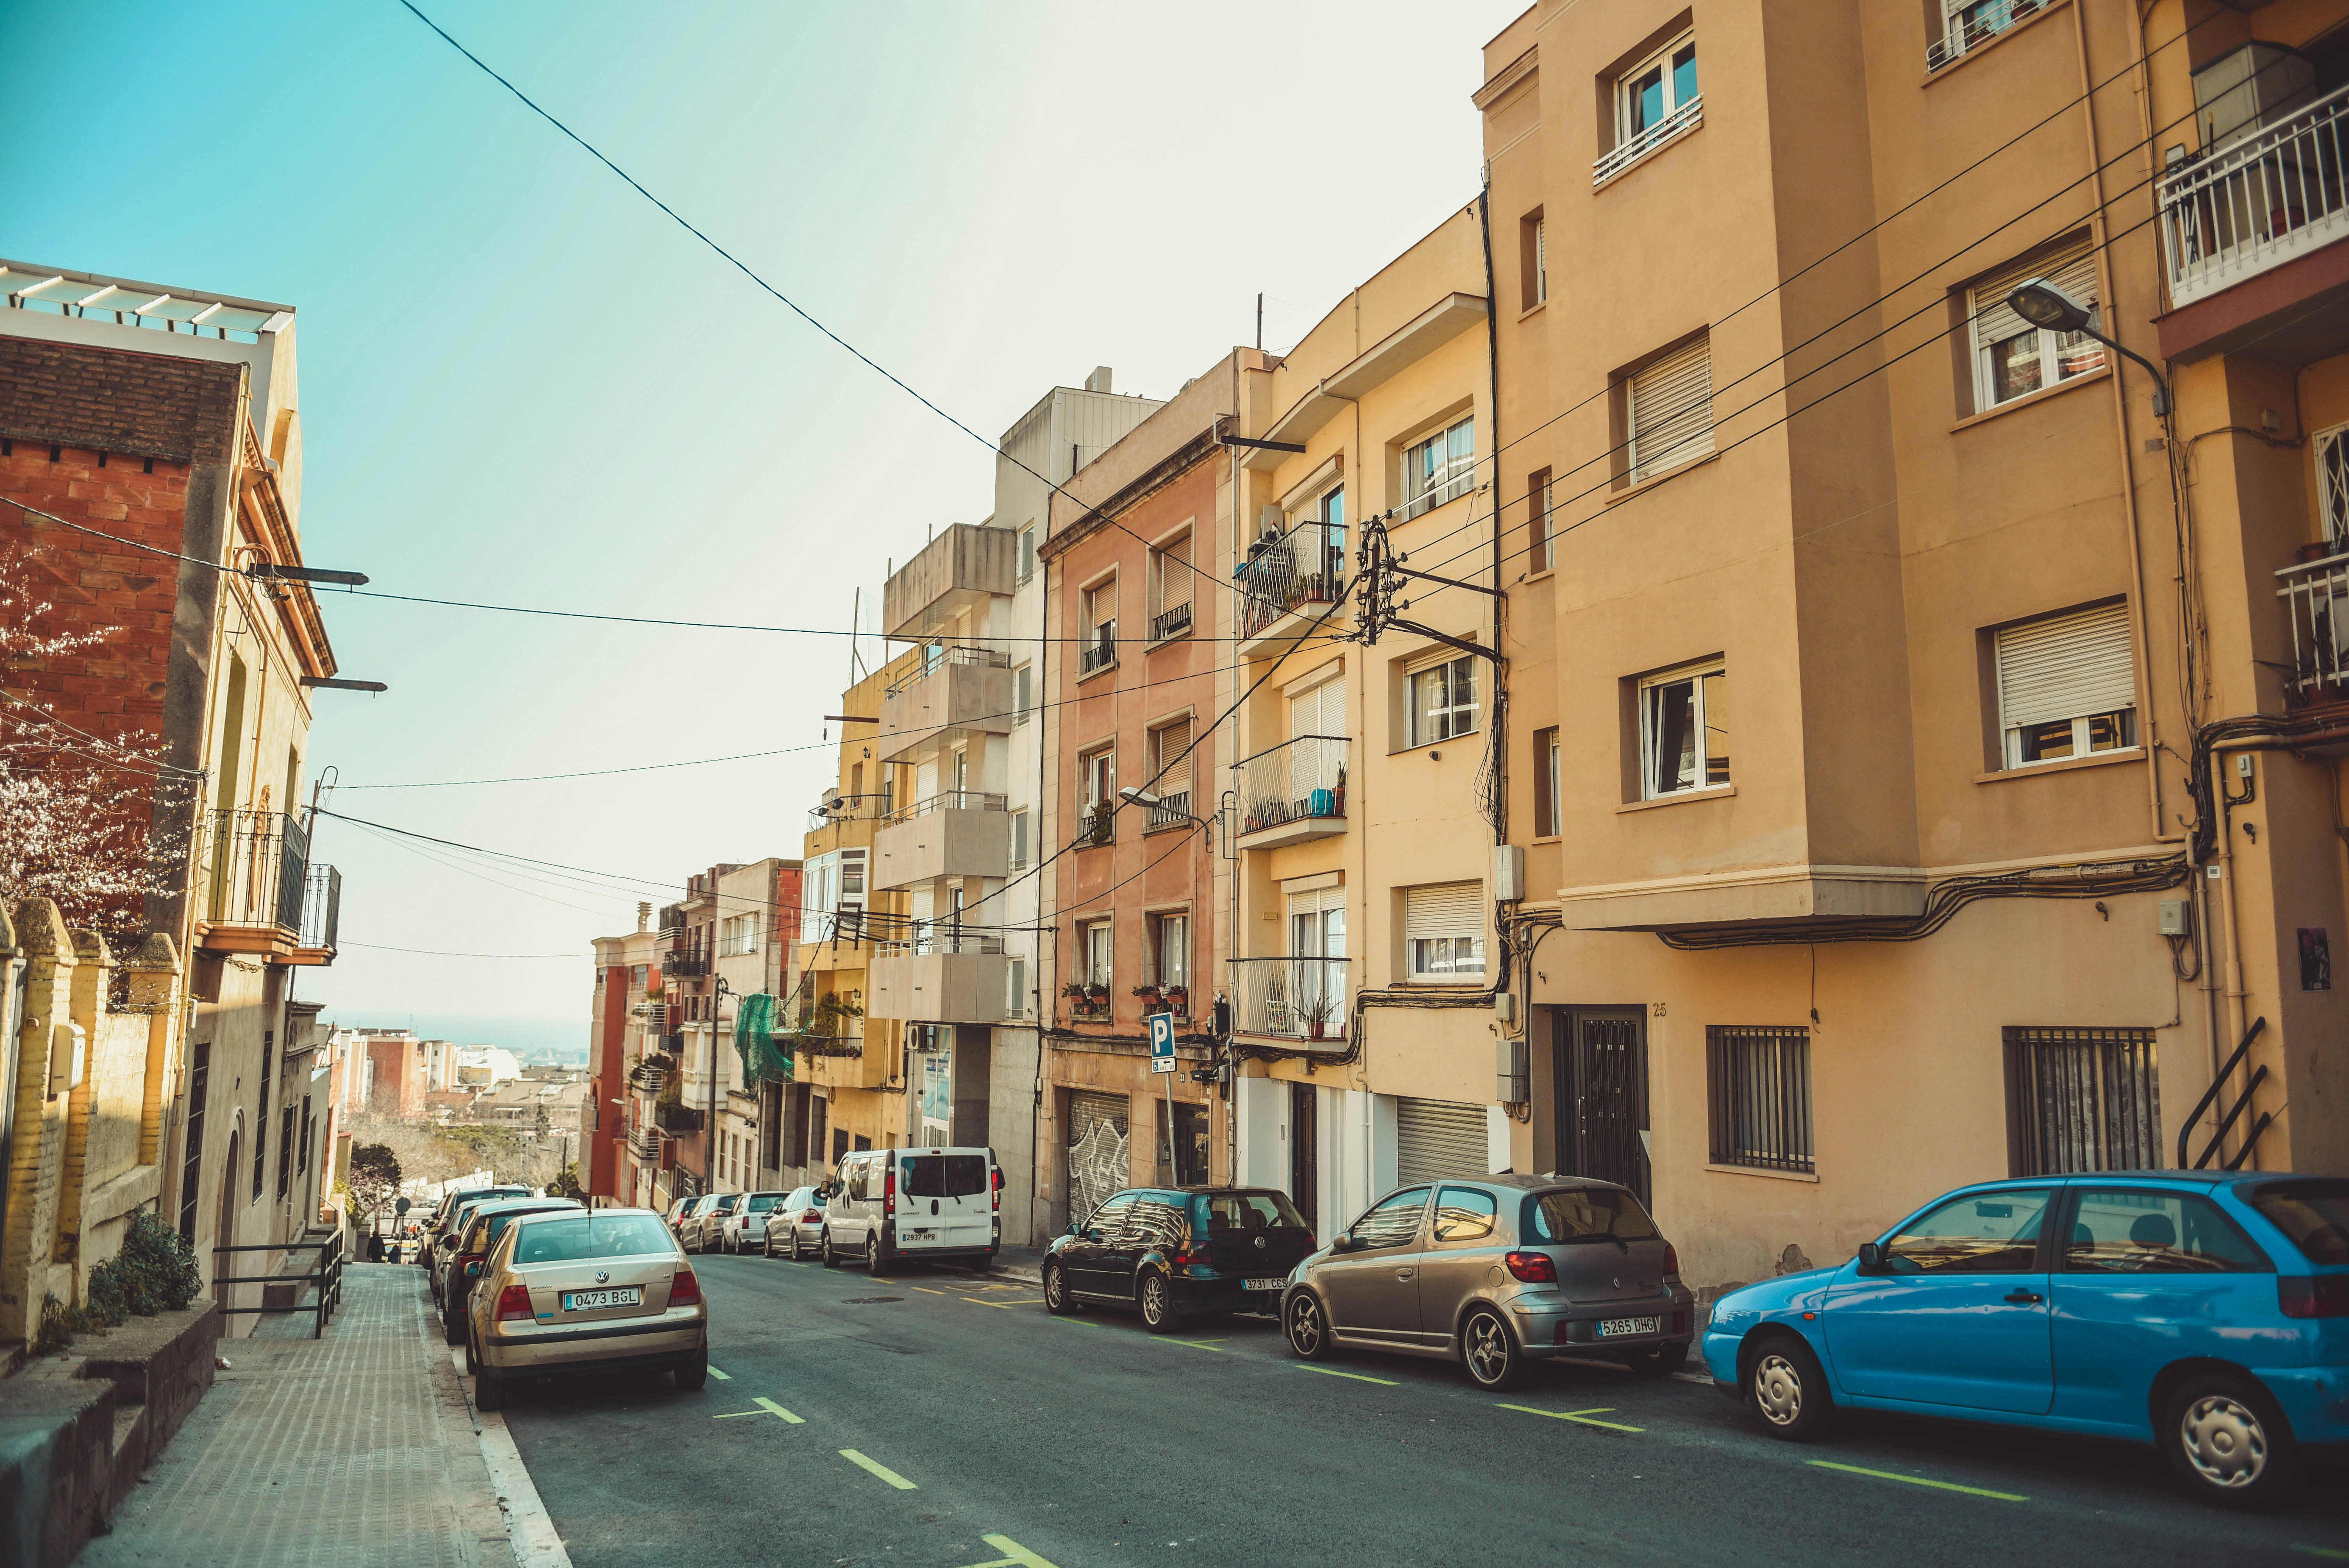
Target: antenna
[(1260, 320)]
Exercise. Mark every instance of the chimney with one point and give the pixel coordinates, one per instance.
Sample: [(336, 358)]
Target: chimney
[(1099, 380), (644, 915)]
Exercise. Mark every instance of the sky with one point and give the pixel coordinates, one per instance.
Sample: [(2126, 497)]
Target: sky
[(521, 384)]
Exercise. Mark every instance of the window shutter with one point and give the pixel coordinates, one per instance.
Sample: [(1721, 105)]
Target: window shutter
[(1447, 909), (1103, 603), (1439, 1139), (1173, 758), (1541, 259), (1321, 711), (925, 781), (2067, 667), (1671, 409), (1175, 574), (2073, 272)]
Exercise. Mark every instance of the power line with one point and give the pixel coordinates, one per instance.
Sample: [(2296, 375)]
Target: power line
[(437, 953)]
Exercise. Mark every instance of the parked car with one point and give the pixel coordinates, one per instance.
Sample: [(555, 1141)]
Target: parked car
[(746, 1224), (888, 1206), (1499, 1272), (796, 1223), (447, 1208), (1176, 1251), (697, 1231), (599, 1291), (470, 1246), (675, 1219), (2205, 1313), (436, 1271)]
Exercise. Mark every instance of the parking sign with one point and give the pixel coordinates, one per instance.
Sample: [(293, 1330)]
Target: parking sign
[(1162, 1042)]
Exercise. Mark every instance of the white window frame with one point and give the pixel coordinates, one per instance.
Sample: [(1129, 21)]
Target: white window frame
[(1163, 598), (1650, 690), (1027, 560), (2073, 270), (1680, 116), (2330, 449), (1416, 712), (1451, 476), (1447, 956), (1157, 924), (1541, 518), (1097, 950), (1098, 775), (1023, 693), (1956, 39), (1018, 840), (2110, 622)]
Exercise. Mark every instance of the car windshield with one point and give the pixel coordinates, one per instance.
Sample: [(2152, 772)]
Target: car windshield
[(591, 1236), (1251, 1211), (2315, 1214), (945, 1175), (1587, 1215)]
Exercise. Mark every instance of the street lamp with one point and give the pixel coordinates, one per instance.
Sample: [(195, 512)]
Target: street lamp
[(2042, 304), (1149, 802)]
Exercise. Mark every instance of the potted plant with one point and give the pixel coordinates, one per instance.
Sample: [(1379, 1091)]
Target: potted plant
[(1317, 1016), (1148, 993), (1074, 990), (1178, 999)]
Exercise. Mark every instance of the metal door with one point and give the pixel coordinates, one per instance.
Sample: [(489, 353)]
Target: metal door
[(1304, 1168), (1602, 1079)]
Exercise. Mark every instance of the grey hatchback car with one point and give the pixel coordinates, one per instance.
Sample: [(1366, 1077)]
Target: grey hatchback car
[(1498, 1271)]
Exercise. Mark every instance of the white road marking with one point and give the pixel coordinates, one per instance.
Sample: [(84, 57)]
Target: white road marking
[(528, 1529)]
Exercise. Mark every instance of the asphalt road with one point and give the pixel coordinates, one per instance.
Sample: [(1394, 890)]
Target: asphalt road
[(942, 1421)]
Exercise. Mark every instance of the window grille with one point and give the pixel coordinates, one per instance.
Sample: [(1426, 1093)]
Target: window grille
[(1759, 1084), (2082, 1100)]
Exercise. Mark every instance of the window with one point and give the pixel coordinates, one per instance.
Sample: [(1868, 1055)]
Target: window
[(1018, 840), (1097, 942), (2332, 485), (1100, 608), (1444, 700), (1465, 1214), (2082, 1100), (1438, 468), (738, 933), (1549, 806), (1026, 555), (1589, 1214), (1759, 1081), (309, 1130), (1443, 932), (1023, 689), (285, 1150), (1098, 772), (2067, 687), (639, 975), (2313, 1213), (1170, 950), (1656, 102), (2116, 1230), (1970, 24), (1987, 1232), (1170, 590), (831, 885), (1014, 1001), (2013, 359), (260, 1122), (1683, 732), (1170, 774), (1541, 541), (1392, 1223), (1533, 261), (1669, 410)]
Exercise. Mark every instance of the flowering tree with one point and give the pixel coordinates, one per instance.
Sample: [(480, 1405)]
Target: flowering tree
[(78, 802)]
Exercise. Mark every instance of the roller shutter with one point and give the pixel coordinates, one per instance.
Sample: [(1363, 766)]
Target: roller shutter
[(1439, 1139), (2071, 666), (1447, 909), (1671, 409), (1994, 320), (1097, 1149)]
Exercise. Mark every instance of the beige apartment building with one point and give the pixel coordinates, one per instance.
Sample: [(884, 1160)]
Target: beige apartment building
[(1870, 687)]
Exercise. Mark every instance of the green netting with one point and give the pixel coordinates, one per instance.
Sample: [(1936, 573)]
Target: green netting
[(754, 1038)]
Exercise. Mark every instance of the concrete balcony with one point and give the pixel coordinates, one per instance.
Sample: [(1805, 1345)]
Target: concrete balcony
[(1756, 897), (942, 979), (960, 570), (1288, 584), (969, 688), (960, 833)]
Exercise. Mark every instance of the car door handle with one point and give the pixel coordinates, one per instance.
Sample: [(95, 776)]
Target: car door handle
[(2025, 1298), (1403, 1273)]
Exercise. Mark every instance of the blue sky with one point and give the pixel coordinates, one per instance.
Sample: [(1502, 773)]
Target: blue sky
[(520, 383)]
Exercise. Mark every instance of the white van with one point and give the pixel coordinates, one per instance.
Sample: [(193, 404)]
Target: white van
[(887, 1205)]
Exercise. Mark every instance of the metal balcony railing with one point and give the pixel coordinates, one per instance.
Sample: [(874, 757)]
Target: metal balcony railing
[(1102, 652), (1977, 24), (1295, 781), (1290, 999), (322, 909), (685, 966), (673, 1119), (950, 800), (938, 656), (644, 1143), (1307, 565), (928, 938), (2264, 197), (1172, 622), (2315, 596), (1098, 827), (1671, 128), (852, 809), (252, 871), (1173, 809)]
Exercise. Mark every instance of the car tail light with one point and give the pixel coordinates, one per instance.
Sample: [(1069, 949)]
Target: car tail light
[(685, 1290), (814, 1216), (1534, 1268), (1194, 1251), (1671, 1260), (889, 1192), (513, 1305), (997, 1174), (2321, 1296)]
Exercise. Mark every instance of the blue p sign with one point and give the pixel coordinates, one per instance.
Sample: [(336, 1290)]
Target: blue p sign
[(1162, 1042)]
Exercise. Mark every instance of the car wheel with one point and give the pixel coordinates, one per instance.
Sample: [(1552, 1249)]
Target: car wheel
[(872, 1254), (692, 1375), (823, 1249), (795, 1244), (453, 1322), (1788, 1388), (1057, 1301), (1307, 1328), (1658, 1360), (489, 1390), (1490, 1351), (472, 1362), (2229, 1442), (1156, 1298)]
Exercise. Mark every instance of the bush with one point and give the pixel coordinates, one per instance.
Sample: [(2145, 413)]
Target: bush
[(155, 1272)]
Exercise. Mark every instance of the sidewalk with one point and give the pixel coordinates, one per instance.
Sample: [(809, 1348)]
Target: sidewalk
[(355, 1450), (1025, 1264)]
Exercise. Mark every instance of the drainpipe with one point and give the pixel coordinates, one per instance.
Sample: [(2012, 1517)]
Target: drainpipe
[(1493, 368)]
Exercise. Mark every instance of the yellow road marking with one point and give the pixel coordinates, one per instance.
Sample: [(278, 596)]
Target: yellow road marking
[(2331, 1551), (1005, 1305), (1918, 1480), (884, 1471), (766, 1407), (1020, 1557), (1357, 1376), (1581, 1416), (1195, 1344), (927, 1291), (1080, 1322), (721, 1377)]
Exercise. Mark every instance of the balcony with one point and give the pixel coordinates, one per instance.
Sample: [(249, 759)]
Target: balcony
[(936, 974), (1670, 129), (956, 833), (685, 966), (1170, 622), (1098, 827), (2264, 209), (1977, 24), (956, 687), (256, 891), (674, 1118), (1173, 811), (1288, 581), (650, 1076), (647, 1145), (960, 570), (1294, 1000), (850, 809), (1292, 793), (2315, 596), (1100, 653)]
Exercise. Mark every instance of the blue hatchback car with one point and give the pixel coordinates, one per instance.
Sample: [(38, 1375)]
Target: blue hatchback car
[(2206, 1313)]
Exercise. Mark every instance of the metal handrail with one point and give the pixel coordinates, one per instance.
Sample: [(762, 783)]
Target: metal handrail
[(1301, 779), (322, 909), (327, 1277), (1102, 652), (1274, 996), (2242, 206), (949, 800), (937, 655), (1307, 565), (1673, 126), (2210, 1095), (1965, 34), (2315, 596), (253, 870)]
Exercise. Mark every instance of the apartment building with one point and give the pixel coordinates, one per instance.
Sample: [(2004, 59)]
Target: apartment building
[(687, 1111), (170, 418), (1136, 889), (625, 1049), (967, 976), (1861, 771), (753, 959), (1361, 924)]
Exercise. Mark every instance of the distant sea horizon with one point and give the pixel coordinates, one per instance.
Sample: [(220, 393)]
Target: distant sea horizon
[(531, 1038)]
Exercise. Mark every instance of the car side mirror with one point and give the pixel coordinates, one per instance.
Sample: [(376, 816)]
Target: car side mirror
[(1076, 1227), (1871, 1259), (472, 1271), (1341, 1243)]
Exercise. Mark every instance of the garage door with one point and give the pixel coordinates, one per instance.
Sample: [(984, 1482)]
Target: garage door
[(1439, 1137), (1097, 1149)]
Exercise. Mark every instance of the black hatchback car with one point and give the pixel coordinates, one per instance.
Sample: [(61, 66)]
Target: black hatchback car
[(1173, 1251)]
